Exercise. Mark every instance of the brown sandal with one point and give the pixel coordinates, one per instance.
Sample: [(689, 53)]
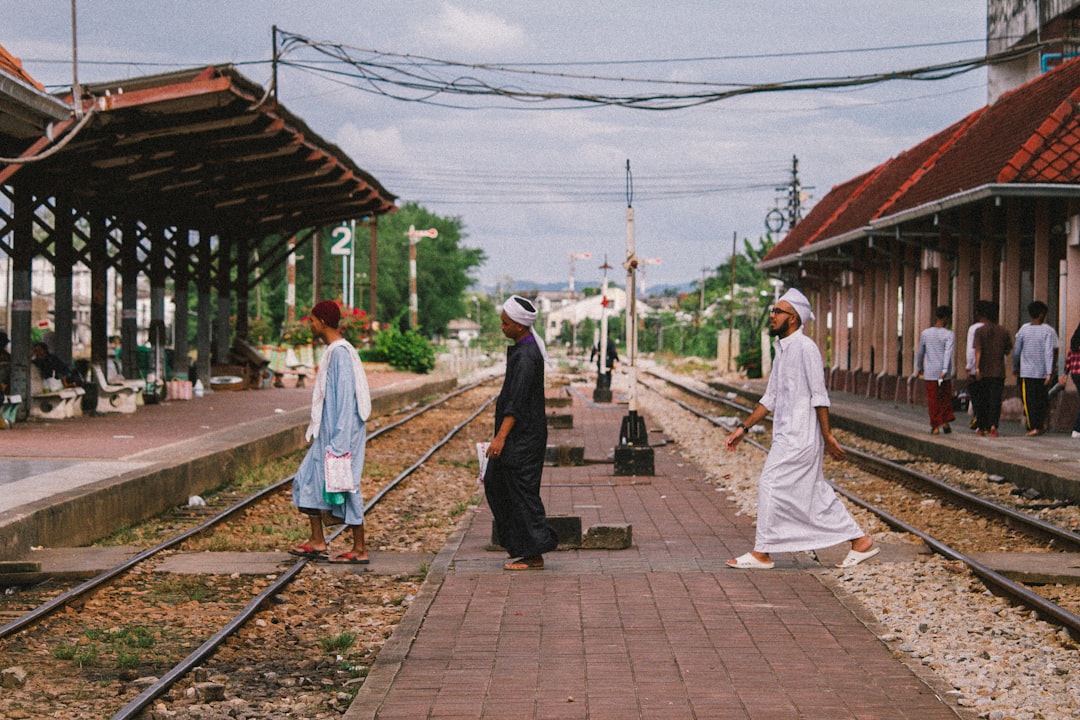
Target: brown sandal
[(525, 564)]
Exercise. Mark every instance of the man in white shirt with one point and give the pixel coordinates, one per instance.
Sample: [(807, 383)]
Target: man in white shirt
[(1034, 357)]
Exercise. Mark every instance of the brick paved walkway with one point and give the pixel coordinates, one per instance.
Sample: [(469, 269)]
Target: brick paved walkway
[(661, 630)]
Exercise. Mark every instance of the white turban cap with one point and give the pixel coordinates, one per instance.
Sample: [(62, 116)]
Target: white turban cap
[(523, 312), (800, 304), (520, 310)]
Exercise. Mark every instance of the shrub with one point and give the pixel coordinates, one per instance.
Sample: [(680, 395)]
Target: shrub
[(408, 351), (296, 333)]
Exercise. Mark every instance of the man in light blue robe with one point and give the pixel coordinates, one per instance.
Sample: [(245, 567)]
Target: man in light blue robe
[(340, 407)]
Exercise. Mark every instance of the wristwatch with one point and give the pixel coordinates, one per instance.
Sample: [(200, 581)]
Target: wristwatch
[(740, 426)]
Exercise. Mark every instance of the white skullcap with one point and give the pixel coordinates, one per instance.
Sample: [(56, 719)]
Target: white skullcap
[(800, 304), (523, 312)]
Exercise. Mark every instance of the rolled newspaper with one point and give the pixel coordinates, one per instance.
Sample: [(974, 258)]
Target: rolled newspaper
[(481, 455)]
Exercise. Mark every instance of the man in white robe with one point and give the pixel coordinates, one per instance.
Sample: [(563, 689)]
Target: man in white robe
[(797, 508)]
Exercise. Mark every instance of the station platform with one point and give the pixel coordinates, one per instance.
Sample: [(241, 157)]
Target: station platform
[(65, 483), (660, 630)]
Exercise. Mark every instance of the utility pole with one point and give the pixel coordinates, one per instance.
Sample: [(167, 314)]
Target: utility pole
[(415, 236), (576, 256), (633, 456)]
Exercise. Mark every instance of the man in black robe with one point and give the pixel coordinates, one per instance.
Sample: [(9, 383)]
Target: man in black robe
[(516, 453)]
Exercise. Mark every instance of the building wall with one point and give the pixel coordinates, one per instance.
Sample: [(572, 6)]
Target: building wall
[(1010, 23)]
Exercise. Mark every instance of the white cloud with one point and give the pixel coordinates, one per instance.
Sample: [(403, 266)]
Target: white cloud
[(371, 148), (466, 30)]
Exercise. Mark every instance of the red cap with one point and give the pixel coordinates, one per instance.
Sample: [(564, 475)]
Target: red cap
[(329, 312)]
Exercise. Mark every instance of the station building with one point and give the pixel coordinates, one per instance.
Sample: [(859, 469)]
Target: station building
[(166, 182), (987, 208)]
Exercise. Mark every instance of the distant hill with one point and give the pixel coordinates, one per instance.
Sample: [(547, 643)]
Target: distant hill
[(526, 287)]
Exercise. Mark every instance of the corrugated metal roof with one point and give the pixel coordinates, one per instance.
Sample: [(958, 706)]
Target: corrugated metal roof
[(205, 149), (25, 108)]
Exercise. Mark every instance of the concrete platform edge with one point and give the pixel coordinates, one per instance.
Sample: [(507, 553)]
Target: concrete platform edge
[(982, 457), (388, 663), (191, 467), (936, 683)]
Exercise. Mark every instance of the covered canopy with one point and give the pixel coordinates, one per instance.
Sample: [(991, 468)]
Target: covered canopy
[(204, 149)]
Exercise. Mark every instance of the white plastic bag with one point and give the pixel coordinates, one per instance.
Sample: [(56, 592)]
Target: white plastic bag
[(339, 478)]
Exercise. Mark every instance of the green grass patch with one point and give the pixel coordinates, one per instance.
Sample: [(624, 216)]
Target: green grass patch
[(337, 644)]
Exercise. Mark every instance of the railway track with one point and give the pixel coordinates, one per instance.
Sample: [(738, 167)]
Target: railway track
[(902, 498), (132, 635)]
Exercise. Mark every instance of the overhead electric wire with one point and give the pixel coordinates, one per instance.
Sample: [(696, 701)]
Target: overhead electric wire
[(415, 78)]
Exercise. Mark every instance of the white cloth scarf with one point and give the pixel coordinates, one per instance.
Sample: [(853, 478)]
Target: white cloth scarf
[(318, 393), (517, 312)]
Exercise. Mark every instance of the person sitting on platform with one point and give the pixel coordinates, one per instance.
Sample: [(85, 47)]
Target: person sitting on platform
[(933, 360), (797, 508), (340, 407), (50, 366)]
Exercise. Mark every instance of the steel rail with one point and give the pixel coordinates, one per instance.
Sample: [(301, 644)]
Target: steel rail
[(63, 599), (993, 579), (1047, 608), (152, 692)]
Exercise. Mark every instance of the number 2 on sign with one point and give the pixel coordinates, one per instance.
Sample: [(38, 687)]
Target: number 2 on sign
[(342, 244)]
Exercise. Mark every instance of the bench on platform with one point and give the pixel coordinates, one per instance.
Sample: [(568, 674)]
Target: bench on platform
[(114, 397), (114, 375), (49, 402), (298, 362)]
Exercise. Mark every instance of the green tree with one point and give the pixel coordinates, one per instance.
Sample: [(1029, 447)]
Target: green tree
[(444, 269)]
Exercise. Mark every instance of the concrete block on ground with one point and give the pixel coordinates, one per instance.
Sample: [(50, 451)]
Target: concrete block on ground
[(634, 460), (564, 455), (19, 566), (567, 527), (560, 421), (558, 402), (611, 536), (1050, 568)]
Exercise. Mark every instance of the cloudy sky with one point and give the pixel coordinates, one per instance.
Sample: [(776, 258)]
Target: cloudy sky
[(534, 179)]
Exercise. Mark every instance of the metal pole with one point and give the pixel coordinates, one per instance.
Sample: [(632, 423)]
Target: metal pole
[(352, 265), (76, 94), (414, 305), (631, 305), (373, 270), (731, 302), (290, 289)]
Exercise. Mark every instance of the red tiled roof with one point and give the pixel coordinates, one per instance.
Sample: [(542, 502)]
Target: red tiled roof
[(1030, 135), (13, 66)]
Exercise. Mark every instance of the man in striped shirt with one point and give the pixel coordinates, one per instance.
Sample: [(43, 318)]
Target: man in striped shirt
[(934, 361), (1034, 357)]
